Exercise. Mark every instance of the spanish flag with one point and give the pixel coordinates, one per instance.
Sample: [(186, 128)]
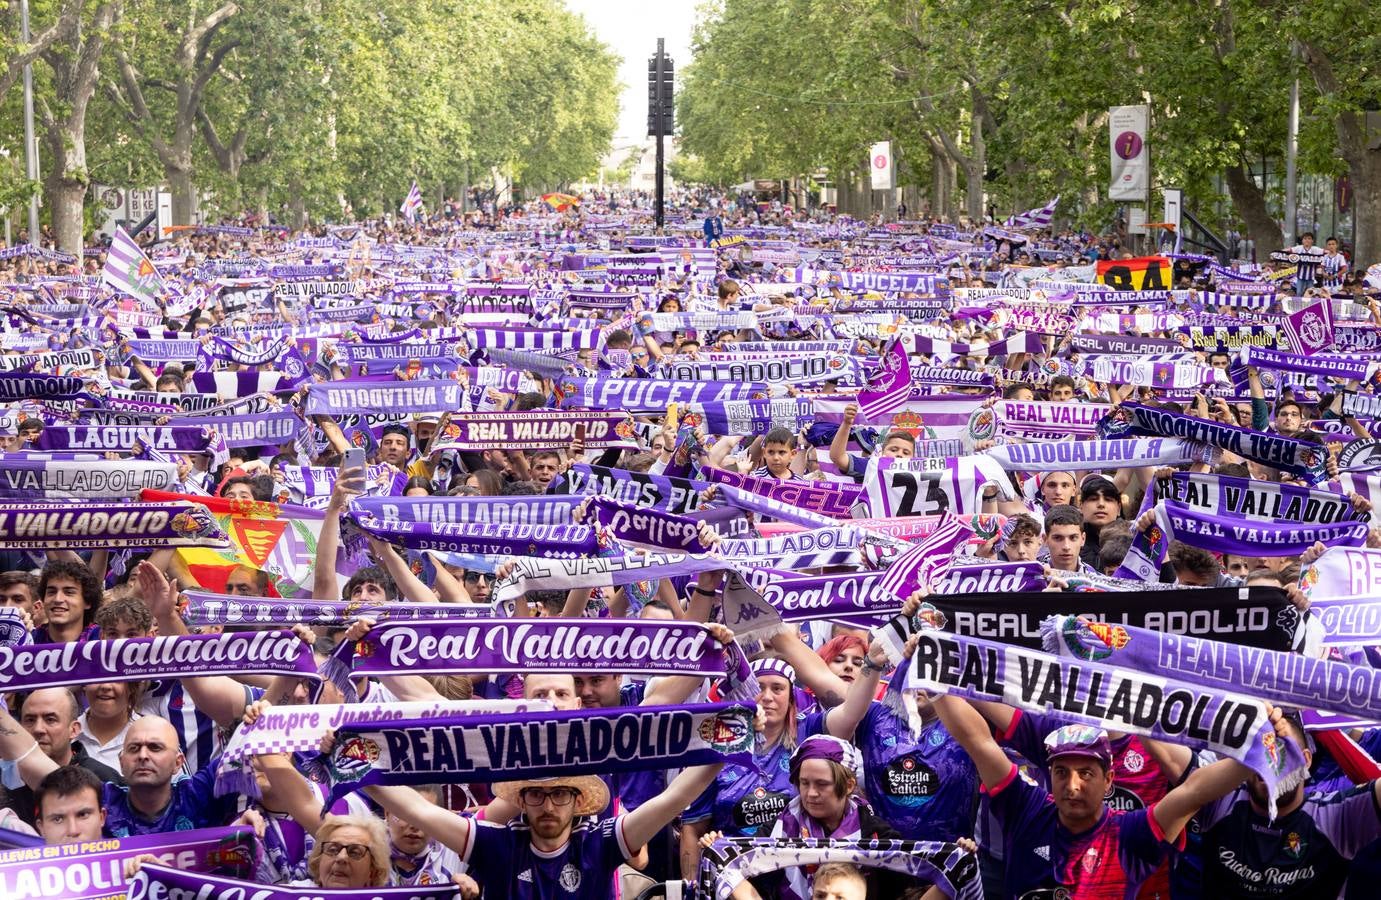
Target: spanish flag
[(277, 539)]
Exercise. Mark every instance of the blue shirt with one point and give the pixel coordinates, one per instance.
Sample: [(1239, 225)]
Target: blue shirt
[(504, 862), (924, 785), (194, 804), (744, 799)]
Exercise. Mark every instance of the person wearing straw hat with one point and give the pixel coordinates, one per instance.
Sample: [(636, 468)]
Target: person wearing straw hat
[(553, 848)]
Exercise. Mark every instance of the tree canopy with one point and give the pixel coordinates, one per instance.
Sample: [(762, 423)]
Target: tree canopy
[(1012, 96), (311, 106)]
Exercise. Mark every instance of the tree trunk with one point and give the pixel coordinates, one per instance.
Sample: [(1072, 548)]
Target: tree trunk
[(65, 199), (1364, 164), (1250, 203), (1365, 175), (976, 167), (184, 194)]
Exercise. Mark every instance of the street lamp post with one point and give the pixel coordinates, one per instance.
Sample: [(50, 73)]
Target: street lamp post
[(30, 148)]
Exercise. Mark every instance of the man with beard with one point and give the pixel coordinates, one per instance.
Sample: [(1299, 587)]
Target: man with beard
[(552, 849)]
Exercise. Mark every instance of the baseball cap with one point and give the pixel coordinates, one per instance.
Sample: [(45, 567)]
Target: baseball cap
[(1079, 740), (1098, 484)]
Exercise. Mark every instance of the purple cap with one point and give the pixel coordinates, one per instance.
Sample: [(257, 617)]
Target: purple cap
[(1079, 740)]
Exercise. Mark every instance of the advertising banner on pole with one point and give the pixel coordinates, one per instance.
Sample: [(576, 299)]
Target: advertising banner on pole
[(882, 166), (1131, 168)]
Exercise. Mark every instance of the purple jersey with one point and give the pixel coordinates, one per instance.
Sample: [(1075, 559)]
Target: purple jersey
[(1107, 862), (924, 785), (193, 805), (1138, 781), (742, 799), (504, 862), (1303, 853)]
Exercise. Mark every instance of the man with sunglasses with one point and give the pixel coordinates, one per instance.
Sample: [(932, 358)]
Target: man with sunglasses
[(552, 849)]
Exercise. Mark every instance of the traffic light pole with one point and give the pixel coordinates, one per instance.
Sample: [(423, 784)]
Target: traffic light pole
[(660, 119)]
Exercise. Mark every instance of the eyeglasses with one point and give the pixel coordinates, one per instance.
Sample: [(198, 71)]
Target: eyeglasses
[(332, 849), (474, 577), (561, 796)]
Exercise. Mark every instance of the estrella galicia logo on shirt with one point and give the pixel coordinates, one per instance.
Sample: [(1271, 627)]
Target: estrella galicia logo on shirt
[(908, 776), (760, 807), (1122, 800)]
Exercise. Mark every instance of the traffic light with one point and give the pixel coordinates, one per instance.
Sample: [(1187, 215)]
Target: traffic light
[(668, 97)]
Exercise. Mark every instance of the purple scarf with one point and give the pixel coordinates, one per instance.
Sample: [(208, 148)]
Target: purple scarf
[(819, 497), (1229, 724), (540, 745), (1290, 679), (630, 524), (336, 397), (227, 609), (518, 646), (535, 430), (30, 526), (487, 539), (540, 509), (1277, 451), (21, 386), (96, 870), (155, 881), (669, 494), (36, 666), (1344, 590), (641, 395), (532, 574)]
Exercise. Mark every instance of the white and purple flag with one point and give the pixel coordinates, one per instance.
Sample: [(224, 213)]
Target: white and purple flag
[(129, 271), (889, 385), (1040, 217), (412, 204)]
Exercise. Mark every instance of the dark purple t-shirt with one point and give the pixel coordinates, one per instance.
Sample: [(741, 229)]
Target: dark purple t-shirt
[(504, 862), (1107, 862)]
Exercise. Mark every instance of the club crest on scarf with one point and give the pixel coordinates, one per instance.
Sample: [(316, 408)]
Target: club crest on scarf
[(1273, 752), (913, 424), (983, 424), (353, 756), (195, 522), (728, 733), (1093, 641), (931, 618)]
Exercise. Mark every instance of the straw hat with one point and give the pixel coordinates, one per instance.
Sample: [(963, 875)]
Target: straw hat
[(593, 798)]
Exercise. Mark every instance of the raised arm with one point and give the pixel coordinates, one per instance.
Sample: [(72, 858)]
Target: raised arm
[(410, 587), (1202, 787), (839, 447), (440, 824), (18, 745), (324, 583), (971, 731), (641, 824)]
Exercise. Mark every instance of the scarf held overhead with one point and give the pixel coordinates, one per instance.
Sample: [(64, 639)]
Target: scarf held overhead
[(1228, 723), (539, 745)]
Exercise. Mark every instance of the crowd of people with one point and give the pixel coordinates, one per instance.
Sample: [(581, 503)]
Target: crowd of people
[(548, 554)]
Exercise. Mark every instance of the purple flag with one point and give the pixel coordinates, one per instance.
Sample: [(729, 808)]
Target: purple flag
[(889, 386)]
